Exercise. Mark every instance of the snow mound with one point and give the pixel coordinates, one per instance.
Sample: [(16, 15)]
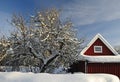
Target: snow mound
[(44, 77)]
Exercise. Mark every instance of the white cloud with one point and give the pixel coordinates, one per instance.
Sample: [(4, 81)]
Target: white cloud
[(85, 12), (112, 35)]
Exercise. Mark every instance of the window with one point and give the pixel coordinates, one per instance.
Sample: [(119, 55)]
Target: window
[(97, 49)]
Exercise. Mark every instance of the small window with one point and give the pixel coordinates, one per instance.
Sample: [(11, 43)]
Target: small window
[(97, 49)]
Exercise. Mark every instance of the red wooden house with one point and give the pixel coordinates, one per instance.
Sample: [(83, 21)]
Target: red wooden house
[(98, 46), (98, 57)]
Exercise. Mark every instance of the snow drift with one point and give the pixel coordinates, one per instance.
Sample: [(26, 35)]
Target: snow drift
[(44, 77)]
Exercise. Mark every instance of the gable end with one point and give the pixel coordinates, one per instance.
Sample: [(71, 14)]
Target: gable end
[(98, 46)]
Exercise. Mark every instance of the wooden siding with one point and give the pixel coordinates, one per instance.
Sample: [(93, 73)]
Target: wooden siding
[(90, 67), (98, 42), (78, 66), (110, 68)]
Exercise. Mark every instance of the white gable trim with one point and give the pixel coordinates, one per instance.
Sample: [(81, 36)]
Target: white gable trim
[(103, 40)]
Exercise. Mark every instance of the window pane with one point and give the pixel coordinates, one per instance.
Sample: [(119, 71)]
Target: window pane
[(98, 49)]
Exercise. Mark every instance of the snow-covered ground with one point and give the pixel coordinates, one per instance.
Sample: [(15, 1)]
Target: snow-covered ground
[(44, 77)]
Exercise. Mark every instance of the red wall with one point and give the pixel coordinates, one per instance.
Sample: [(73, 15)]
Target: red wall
[(110, 68), (91, 67), (98, 42), (77, 67)]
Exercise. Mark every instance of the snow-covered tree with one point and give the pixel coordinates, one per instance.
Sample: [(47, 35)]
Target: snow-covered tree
[(4, 46), (117, 48), (45, 41)]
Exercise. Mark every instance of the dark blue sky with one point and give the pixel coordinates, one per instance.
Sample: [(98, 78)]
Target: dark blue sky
[(28, 6), (88, 16)]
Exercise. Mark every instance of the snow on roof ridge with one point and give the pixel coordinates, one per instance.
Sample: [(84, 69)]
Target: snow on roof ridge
[(103, 40)]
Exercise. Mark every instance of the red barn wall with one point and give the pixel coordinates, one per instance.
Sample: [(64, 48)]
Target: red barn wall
[(110, 68), (98, 42), (77, 67), (91, 67)]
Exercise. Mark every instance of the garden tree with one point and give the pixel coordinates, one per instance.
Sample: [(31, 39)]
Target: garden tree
[(117, 48), (4, 46), (45, 41)]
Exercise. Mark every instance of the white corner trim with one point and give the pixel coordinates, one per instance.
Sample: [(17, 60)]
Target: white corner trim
[(103, 40)]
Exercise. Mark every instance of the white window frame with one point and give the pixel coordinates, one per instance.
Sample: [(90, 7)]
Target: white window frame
[(98, 51)]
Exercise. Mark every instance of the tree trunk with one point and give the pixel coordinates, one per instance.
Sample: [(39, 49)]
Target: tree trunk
[(44, 67)]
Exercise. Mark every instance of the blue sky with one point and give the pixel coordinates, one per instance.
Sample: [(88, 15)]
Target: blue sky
[(88, 16)]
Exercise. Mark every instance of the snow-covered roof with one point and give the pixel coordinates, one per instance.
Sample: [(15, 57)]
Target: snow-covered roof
[(101, 59), (103, 40)]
